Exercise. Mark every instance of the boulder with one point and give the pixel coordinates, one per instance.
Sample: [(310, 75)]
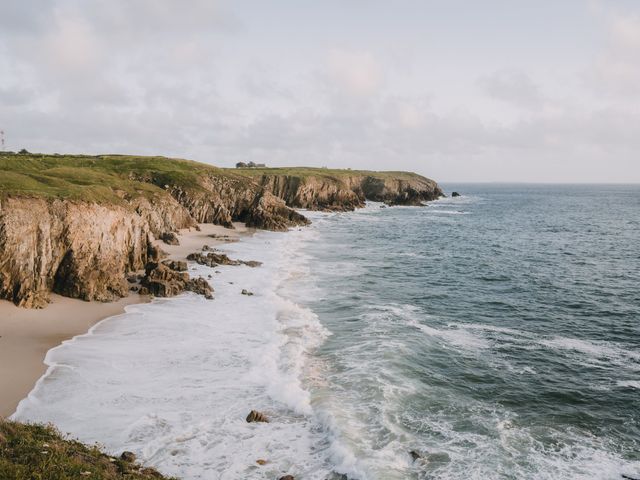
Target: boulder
[(246, 292), (255, 416), (128, 457), (415, 455), (213, 259), (261, 461), (287, 477), (162, 281), (201, 286), (170, 238), (455, 194)]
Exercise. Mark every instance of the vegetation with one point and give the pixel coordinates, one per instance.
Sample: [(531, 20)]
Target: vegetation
[(102, 178), (39, 452), (110, 178), (318, 172)]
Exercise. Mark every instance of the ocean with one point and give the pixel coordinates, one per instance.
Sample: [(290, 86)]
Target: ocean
[(495, 335)]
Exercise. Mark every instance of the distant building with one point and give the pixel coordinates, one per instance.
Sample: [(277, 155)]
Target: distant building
[(250, 165)]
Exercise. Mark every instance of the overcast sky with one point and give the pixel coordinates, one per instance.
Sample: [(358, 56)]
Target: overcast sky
[(492, 90)]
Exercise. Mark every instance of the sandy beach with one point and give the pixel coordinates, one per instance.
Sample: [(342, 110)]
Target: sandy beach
[(26, 335)]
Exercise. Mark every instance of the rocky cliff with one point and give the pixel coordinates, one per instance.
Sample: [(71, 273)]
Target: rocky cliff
[(76, 225), (323, 189)]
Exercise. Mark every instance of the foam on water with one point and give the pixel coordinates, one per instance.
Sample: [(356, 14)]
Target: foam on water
[(174, 379)]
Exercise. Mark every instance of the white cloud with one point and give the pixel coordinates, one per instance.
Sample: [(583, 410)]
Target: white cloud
[(357, 73)]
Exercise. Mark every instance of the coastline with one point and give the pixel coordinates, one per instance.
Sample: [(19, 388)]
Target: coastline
[(26, 335)]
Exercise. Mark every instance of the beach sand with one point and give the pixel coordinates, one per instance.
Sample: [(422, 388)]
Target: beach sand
[(26, 335)]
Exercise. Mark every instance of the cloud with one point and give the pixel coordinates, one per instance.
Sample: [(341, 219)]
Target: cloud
[(512, 86), (617, 68), (353, 72), (222, 82)]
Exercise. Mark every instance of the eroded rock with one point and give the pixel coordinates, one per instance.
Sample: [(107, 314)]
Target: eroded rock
[(213, 259), (255, 416), (170, 238)]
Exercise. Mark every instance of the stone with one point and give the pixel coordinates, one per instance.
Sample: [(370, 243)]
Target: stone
[(213, 259), (162, 281), (128, 457), (261, 461), (177, 265), (201, 286), (455, 194), (287, 477), (255, 416), (246, 292), (170, 238), (415, 455)]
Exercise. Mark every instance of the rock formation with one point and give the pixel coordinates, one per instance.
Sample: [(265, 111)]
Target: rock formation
[(315, 190)]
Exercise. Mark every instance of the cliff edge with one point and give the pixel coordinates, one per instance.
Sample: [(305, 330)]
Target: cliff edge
[(77, 224)]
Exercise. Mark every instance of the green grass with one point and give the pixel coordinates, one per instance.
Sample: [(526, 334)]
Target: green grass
[(112, 178), (39, 452), (103, 178), (318, 172)]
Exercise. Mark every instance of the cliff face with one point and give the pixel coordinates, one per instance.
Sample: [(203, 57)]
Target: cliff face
[(76, 225), (349, 191), (74, 249)]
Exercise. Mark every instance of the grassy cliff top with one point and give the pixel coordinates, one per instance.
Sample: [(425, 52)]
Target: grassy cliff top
[(109, 178), (40, 452), (100, 178), (319, 172)]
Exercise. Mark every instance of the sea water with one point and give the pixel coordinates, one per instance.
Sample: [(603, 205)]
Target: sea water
[(496, 335)]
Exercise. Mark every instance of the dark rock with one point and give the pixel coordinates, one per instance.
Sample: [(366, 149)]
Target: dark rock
[(415, 455), (205, 248), (455, 194), (627, 477), (197, 227), (213, 259), (201, 286), (162, 281), (134, 288), (255, 416), (246, 292), (128, 457), (170, 238), (144, 291), (132, 278), (261, 461), (287, 477), (209, 276), (177, 265)]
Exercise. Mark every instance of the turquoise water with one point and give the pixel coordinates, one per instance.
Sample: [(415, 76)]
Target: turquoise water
[(496, 334)]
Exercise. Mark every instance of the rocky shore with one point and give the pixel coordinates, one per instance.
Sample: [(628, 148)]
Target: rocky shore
[(78, 225)]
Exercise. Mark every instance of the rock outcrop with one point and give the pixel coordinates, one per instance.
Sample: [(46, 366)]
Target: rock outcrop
[(162, 281), (255, 416), (213, 259), (76, 249), (319, 191)]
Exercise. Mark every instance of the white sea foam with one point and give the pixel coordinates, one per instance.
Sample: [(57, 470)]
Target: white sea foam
[(174, 379), (629, 383)]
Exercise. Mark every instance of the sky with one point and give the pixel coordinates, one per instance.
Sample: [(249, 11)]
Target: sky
[(498, 90)]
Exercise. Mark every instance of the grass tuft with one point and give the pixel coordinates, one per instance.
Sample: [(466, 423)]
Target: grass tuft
[(40, 452)]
